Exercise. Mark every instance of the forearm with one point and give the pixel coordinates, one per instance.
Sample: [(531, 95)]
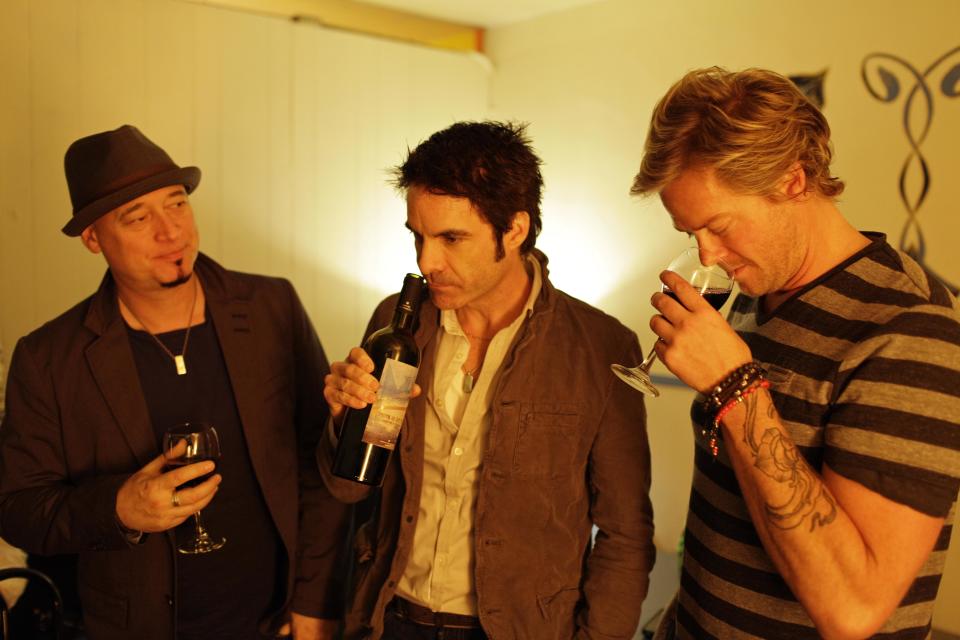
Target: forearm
[(616, 585), (58, 519), (623, 553), (323, 523), (841, 580)]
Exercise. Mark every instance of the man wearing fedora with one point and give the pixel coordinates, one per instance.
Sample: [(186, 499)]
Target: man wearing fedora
[(170, 337)]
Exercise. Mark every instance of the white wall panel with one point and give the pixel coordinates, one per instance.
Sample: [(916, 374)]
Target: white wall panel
[(292, 125)]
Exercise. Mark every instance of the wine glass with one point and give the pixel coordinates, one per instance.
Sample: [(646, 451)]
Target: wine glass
[(712, 283), (202, 443)]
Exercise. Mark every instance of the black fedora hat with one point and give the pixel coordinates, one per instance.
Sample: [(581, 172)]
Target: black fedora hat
[(110, 168)]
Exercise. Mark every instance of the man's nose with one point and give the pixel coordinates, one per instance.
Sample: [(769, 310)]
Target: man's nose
[(711, 251), (165, 226), (429, 258)]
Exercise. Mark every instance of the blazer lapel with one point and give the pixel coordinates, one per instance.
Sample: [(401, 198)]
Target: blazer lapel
[(111, 363), (234, 326)]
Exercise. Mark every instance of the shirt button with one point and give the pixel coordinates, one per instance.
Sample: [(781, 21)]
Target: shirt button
[(440, 403), (457, 451)]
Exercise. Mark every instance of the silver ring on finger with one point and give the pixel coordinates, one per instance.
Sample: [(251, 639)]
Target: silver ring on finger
[(175, 498)]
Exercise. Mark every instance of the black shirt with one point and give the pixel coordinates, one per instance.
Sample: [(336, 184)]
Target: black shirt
[(224, 593)]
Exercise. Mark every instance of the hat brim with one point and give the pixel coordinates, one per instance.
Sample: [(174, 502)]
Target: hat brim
[(189, 177)]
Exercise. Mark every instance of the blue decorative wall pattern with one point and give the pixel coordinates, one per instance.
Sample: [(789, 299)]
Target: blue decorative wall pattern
[(811, 86), (879, 73)]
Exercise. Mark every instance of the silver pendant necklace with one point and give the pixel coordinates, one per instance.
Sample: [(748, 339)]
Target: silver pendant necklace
[(178, 360), (468, 378)]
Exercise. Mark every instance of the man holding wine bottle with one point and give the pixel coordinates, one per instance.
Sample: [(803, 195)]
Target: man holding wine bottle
[(521, 439), (224, 368), (828, 443)]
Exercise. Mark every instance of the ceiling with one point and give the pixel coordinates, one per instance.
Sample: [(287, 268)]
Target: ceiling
[(480, 13)]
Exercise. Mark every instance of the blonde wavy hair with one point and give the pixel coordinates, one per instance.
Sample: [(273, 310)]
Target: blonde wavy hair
[(750, 126)]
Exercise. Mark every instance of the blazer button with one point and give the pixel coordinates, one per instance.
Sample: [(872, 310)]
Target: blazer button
[(169, 600)]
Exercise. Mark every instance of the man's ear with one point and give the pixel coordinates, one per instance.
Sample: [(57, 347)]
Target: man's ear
[(517, 233), (89, 238), (793, 185)]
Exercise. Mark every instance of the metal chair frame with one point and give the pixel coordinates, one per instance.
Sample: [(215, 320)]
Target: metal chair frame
[(32, 574)]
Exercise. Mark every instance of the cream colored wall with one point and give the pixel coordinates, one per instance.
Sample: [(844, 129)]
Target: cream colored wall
[(292, 125), (587, 80)]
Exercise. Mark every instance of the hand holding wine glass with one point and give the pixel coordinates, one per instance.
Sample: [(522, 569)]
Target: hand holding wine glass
[(144, 501), (695, 343), (712, 283), (185, 445)]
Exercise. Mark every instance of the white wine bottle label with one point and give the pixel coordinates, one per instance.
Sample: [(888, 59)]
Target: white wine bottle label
[(386, 413)]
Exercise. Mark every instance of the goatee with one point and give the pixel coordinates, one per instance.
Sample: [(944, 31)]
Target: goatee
[(175, 283)]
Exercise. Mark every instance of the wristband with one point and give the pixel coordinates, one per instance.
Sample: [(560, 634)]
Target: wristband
[(736, 382)]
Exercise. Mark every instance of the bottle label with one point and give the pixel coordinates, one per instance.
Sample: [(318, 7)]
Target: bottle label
[(386, 413)]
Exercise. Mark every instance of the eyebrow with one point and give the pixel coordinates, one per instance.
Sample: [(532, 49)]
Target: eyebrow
[(133, 207), (459, 233), (137, 205)]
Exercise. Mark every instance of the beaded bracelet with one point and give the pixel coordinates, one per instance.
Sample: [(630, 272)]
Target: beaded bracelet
[(735, 382), (713, 433)]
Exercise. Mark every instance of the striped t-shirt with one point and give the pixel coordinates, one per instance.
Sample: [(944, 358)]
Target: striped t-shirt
[(864, 366)]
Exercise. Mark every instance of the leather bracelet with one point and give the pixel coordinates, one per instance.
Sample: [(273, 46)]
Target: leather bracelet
[(728, 388), (712, 434)]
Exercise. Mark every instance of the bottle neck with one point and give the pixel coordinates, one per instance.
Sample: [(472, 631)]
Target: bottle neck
[(403, 320)]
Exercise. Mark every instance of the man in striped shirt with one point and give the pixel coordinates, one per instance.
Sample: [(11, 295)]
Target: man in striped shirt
[(826, 508)]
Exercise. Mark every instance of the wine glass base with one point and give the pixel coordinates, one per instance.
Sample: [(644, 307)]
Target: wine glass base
[(636, 378), (204, 544)]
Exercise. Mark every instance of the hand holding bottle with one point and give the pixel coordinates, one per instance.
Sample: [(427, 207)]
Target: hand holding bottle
[(371, 390), (351, 383)]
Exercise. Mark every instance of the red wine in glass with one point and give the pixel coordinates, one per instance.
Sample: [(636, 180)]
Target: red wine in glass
[(176, 463), (716, 297), (202, 444), (711, 282)]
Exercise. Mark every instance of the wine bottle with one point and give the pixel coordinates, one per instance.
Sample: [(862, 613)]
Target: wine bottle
[(369, 435)]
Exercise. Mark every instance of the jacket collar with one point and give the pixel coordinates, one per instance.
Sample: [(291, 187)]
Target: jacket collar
[(104, 311), (430, 318)]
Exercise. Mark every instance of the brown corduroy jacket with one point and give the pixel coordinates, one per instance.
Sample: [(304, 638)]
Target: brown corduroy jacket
[(567, 451)]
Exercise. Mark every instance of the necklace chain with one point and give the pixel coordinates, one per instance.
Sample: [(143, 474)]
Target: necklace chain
[(469, 377), (178, 360)]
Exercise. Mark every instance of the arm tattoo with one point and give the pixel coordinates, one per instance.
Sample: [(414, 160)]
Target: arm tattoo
[(777, 457)]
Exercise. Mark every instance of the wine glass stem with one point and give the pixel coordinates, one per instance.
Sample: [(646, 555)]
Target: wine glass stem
[(649, 360), (198, 526)]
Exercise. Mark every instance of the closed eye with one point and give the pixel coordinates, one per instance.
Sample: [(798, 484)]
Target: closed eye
[(133, 218), (451, 238)]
